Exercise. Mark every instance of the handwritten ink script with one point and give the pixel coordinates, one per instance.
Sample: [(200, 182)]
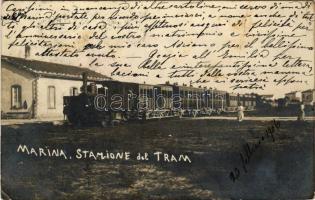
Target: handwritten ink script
[(243, 46), (250, 148)]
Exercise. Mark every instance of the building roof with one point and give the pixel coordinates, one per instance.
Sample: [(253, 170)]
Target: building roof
[(53, 70), (309, 90), (293, 92), (267, 95)]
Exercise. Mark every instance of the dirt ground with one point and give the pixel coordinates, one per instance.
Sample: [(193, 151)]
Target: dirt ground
[(277, 169)]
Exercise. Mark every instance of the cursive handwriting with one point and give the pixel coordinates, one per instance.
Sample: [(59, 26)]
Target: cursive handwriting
[(241, 46)]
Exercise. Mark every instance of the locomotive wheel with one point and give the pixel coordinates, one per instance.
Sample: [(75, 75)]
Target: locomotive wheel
[(125, 117), (104, 123), (115, 122), (144, 116), (71, 119), (75, 120), (78, 123), (195, 113), (161, 115)]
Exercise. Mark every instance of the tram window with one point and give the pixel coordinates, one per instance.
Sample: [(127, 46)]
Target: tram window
[(181, 94), (150, 93)]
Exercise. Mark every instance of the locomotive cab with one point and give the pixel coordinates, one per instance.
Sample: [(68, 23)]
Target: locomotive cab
[(81, 110)]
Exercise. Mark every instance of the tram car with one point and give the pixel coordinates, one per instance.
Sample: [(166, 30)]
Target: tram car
[(232, 102), (188, 101), (107, 102), (164, 101), (219, 101), (248, 101)]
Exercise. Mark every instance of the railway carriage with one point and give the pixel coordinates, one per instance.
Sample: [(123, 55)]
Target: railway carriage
[(219, 101), (208, 108), (241, 100), (215, 101), (164, 101), (251, 101), (107, 102), (232, 102), (157, 100), (190, 100), (113, 101), (248, 101)]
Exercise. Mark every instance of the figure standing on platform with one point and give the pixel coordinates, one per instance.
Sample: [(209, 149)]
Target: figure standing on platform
[(301, 114), (240, 113)]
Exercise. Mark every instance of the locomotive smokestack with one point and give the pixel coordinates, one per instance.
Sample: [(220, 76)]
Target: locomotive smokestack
[(84, 86)]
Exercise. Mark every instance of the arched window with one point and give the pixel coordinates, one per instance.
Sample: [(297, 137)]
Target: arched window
[(16, 96), (51, 97), (74, 91)]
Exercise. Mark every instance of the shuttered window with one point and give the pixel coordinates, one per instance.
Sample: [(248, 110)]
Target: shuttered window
[(16, 96)]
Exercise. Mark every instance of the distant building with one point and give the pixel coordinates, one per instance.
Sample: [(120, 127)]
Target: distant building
[(295, 96), (308, 97), (35, 89)]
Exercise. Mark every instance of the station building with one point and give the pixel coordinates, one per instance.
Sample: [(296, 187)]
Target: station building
[(35, 89)]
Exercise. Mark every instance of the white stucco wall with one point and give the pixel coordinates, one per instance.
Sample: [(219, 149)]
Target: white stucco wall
[(62, 88), (12, 76)]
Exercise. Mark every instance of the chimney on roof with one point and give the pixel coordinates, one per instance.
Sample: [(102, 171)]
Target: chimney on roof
[(27, 51), (84, 79)]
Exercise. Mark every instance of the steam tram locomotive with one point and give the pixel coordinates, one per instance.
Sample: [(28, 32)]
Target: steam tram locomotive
[(107, 102)]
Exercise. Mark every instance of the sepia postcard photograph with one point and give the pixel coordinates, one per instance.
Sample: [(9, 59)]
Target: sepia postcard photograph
[(157, 100)]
